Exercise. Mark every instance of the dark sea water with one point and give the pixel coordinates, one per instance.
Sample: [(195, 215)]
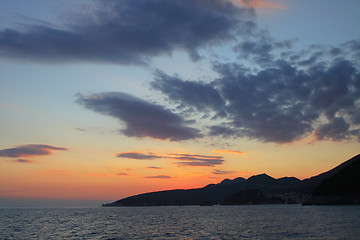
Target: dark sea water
[(190, 222)]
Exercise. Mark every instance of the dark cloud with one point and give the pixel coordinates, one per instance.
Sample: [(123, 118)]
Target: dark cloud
[(260, 47), (129, 31), (29, 150), (200, 95), (142, 119), (223, 131), (284, 100), (122, 174), (336, 129), (19, 160), (159, 177), (183, 159), (137, 155), (153, 167), (197, 160), (221, 172)]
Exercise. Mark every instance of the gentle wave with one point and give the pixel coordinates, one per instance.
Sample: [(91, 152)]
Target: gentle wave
[(190, 222)]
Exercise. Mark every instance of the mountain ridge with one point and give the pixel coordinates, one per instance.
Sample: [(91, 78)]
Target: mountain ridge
[(257, 189)]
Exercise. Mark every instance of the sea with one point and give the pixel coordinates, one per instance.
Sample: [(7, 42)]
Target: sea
[(182, 222)]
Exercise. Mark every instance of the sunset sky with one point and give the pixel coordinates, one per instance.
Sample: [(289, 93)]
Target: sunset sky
[(100, 100)]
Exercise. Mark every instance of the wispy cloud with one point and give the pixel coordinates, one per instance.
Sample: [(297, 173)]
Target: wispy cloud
[(229, 151), (221, 172), (29, 150), (183, 159), (153, 167), (137, 155), (20, 160), (106, 175), (80, 129), (159, 177), (121, 174), (197, 160)]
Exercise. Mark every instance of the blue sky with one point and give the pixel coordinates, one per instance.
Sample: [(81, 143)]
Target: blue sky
[(314, 22)]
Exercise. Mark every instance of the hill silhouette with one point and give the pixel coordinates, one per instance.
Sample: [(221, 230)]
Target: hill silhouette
[(341, 182), (310, 184), (340, 188)]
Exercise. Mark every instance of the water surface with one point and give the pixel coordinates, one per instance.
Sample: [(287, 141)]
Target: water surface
[(190, 222)]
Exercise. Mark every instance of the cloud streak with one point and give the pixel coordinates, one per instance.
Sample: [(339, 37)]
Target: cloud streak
[(229, 151), (121, 174), (29, 150), (137, 155), (221, 172), (20, 160), (154, 167), (142, 119), (159, 177), (197, 160), (183, 159), (128, 31)]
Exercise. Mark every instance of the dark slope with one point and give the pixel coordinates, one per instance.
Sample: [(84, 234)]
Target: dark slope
[(341, 188), (251, 196), (260, 189), (213, 193), (310, 184), (236, 180)]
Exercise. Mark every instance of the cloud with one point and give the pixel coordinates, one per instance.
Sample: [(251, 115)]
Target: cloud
[(197, 160), (128, 31), (260, 47), (80, 129), (221, 172), (281, 100), (121, 174), (200, 95), (153, 167), (137, 155), (224, 130), (142, 119), (159, 177), (261, 4), (183, 159), (336, 129), (29, 150), (229, 151), (19, 160)]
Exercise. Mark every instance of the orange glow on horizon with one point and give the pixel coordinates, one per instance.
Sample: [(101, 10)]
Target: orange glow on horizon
[(64, 175)]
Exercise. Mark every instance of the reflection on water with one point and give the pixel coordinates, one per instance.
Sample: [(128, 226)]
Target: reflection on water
[(191, 222)]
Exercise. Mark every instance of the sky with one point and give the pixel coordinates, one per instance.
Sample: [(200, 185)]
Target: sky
[(100, 100)]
